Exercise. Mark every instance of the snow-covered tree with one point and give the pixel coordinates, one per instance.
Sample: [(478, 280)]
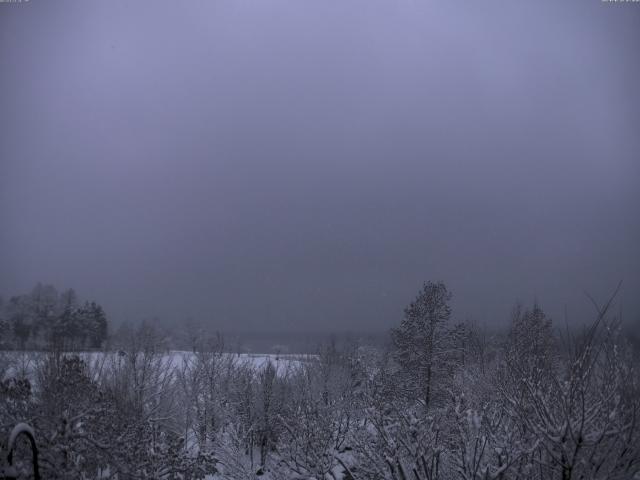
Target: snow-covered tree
[(578, 415), (424, 346)]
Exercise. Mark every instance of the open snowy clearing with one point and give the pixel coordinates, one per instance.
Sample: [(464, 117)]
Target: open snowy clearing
[(22, 363)]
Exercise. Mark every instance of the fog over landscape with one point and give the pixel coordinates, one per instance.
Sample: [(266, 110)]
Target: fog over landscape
[(319, 240), (305, 166)]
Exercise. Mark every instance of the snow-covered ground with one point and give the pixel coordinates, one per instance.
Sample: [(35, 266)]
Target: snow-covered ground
[(282, 362), (22, 363)]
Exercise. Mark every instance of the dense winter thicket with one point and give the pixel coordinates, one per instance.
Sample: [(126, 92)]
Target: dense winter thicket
[(44, 318), (445, 400)]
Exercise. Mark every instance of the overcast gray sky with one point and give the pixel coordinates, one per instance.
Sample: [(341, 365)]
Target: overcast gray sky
[(306, 164)]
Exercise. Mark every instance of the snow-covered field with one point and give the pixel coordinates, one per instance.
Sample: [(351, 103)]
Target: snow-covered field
[(22, 363), (282, 362)]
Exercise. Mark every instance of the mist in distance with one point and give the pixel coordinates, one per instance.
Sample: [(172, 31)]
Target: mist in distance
[(305, 166)]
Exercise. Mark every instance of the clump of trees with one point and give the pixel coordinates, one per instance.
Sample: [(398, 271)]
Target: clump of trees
[(109, 416), (46, 318), (445, 400)]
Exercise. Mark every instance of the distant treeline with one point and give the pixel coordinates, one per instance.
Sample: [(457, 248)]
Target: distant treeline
[(45, 318)]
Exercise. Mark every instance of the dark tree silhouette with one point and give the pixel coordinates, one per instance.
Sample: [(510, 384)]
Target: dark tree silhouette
[(422, 341)]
